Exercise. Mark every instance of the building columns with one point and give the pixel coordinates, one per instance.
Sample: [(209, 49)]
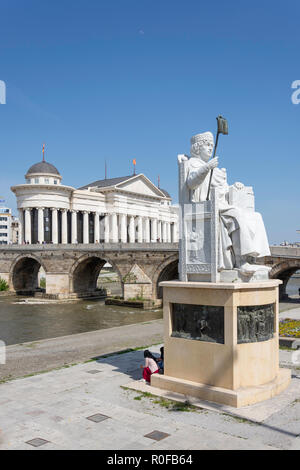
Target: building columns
[(114, 228), (164, 232), (96, 227), (74, 227), (40, 224), (154, 230), (54, 226), (168, 232), (28, 226), (123, 228), (64, 226), (106, 228), (85, 227), (131, 229), (159, 230), (21, 226), (174, 233), (147, 230), (140, 229)]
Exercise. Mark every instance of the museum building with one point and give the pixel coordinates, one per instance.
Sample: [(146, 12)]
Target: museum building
[(127, 209)]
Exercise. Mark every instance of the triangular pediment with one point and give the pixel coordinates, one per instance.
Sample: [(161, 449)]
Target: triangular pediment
[(139, 184)]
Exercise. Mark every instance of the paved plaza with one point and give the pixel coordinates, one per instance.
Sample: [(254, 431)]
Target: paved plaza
[(92, 405)]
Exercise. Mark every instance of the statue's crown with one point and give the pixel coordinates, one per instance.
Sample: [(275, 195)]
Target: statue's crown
[(204, 137)]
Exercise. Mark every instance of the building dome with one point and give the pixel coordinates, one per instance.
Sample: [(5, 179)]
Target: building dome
[(43, 168)]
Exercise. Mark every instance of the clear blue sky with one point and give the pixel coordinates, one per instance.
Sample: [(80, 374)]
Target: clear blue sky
[(117, 80)]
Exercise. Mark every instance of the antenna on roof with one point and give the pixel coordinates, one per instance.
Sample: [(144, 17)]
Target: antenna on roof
[(43, 150), (134, 163)]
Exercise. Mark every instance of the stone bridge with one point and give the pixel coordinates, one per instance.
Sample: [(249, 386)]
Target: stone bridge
[(285, 261), (73, 270)]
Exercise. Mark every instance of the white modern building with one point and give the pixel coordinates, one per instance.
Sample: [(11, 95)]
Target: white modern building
[(128, 209), (5, 225)]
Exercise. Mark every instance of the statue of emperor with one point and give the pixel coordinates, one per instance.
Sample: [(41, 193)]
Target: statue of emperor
[(242, 232)]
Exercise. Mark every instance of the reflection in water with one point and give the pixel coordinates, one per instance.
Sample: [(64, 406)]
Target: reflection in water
[(23, 319)]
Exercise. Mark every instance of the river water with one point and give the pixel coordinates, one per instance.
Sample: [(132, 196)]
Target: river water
[(24, 319)]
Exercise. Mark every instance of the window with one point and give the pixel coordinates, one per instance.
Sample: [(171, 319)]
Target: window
[(36, 180), (3, 226), (55, 181), (3, 234), (3, 218), (46, 180)]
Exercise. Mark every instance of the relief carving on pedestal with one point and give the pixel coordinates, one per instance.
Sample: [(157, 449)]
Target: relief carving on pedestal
[(255, 323), (198, 322)]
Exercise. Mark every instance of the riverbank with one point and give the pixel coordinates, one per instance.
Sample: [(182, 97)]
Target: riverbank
[(32, 357)]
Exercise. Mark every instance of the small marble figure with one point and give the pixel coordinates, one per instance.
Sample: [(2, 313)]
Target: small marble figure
[(242, 235)]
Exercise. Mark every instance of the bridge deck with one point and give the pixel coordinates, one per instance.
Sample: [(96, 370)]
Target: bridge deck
[(285, 251)]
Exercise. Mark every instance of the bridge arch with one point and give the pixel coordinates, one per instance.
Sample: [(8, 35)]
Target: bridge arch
[(85, 271), (166, 271), (283, 271), (24, 273)]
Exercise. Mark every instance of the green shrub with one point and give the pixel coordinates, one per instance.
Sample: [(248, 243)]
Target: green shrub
[(43, 282), (3, 285)]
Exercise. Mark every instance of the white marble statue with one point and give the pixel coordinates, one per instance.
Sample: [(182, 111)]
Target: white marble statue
[(242, 233)]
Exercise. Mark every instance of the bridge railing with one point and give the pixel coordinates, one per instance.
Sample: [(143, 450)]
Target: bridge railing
[(92, 247)]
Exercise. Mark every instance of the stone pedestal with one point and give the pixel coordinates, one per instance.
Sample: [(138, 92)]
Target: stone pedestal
[(221, 341)]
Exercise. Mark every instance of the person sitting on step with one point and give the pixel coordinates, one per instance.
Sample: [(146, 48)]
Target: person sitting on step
[(150, 366)]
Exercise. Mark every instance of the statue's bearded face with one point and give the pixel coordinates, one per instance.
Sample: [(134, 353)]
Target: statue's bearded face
[(203, 149)]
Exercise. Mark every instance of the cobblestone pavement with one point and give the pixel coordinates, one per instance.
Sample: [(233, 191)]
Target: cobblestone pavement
[(88, 406)]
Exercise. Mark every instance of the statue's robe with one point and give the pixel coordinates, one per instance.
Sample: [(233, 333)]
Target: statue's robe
[(242, 232)]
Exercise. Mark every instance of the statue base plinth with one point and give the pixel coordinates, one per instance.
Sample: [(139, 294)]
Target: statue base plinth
[(221, 341), (235, 398), (237, 275)]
